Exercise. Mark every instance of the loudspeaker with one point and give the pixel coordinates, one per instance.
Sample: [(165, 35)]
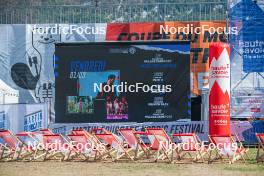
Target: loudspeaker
[(196, 108), (22, 76)]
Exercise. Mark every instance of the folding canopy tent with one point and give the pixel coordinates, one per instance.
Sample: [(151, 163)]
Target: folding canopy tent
[(8, 95)]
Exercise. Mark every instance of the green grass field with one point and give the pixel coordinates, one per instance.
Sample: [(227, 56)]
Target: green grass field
[(250, 168)]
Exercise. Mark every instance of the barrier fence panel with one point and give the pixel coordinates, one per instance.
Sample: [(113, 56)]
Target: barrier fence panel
[(105, 13)]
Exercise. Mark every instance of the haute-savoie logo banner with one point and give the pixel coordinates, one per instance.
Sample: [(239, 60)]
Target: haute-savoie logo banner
[(219, 91), (199, 42)]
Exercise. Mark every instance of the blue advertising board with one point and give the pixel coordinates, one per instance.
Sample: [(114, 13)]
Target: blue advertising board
[(248, 17)]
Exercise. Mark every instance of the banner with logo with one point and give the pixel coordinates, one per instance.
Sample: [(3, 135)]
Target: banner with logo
[(245, 130), (198, 127), (26, 56), (219, 91), (247, 106), (24, 117), (247, 59)]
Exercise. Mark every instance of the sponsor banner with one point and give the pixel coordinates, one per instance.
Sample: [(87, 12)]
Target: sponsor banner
[(24, 117), (33, 121), (244, 130), (247, 59), (250, 39), (198, 127), (247, 106), (27, 62), (3, 121), (199, 41), (219, 90)]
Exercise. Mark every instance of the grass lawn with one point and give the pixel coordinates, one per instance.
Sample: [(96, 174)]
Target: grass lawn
[(128, 168)]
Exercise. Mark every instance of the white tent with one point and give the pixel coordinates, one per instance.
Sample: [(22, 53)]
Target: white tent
[(8, 95)]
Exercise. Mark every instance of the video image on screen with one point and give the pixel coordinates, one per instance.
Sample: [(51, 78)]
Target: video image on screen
[(116, 104), (80, 104)]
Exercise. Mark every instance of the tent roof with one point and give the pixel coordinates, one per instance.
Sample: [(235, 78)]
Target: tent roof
[(6, 88)]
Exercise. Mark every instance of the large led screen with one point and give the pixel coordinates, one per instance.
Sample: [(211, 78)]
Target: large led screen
[(122, 82)]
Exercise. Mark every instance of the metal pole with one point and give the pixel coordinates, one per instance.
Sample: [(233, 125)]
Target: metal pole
[(227, 19)]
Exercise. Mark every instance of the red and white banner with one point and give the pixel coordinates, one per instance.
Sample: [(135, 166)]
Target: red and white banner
[(219, 89)]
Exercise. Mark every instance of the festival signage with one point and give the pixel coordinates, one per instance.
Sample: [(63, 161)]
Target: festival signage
[(3, 120), (33, 121), (24, 117), (219, 91)]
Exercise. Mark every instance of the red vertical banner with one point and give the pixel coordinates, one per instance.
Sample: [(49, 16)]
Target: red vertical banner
[(219, 89)]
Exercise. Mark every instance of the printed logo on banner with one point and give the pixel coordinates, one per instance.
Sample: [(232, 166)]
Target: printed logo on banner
[(33, 121), (198, 127), (219, 89), (250, 40), (247, 63), (3, 120), (247, 106)]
